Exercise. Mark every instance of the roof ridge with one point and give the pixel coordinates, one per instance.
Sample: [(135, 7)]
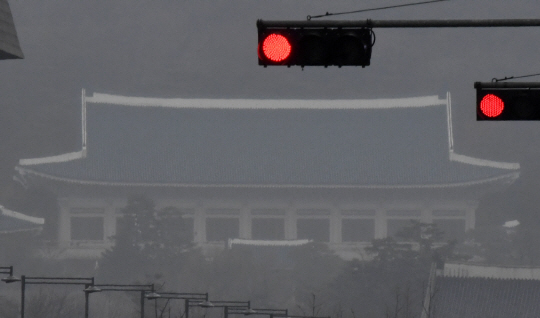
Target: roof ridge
[(460, 270), (334, 104)]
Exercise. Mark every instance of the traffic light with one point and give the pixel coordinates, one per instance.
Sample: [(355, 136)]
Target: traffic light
[(507, 101), (314, 46)]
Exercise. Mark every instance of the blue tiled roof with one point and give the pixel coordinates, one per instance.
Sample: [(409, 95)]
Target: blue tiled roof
[(484, 297), (371, 147)]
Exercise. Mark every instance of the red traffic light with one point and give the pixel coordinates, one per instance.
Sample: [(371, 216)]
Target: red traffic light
[(491, 105), (276, 47), (507, 101), (331, 45)]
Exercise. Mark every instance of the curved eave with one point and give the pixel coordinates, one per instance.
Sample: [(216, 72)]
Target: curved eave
[(33, 229), (509, 177)]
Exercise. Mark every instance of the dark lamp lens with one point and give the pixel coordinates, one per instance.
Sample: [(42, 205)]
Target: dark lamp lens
[(313, 50)]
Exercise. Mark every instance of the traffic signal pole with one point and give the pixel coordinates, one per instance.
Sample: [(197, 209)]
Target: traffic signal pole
[(401, 23)]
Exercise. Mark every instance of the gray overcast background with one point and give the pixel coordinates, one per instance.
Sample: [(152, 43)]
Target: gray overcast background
[(203, 48)]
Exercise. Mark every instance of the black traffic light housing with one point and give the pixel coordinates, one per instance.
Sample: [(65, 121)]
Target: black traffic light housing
[(499, 101), (317, 46)]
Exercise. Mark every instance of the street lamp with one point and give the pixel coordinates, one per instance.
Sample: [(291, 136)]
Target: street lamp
[(260, 311), (147, 291), (187, 297), (225, 304), (297, 316), (10, 278), (27, 280), (272, 313)]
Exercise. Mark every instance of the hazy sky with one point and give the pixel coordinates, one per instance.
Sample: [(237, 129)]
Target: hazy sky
[(207, 48)]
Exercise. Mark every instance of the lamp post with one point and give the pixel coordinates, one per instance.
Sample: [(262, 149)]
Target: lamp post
[(272, 313), (225, 304), (260, 311), (88, 289), (297, 316), (28, 280), (9, 271), (187, 297), (146, 291)]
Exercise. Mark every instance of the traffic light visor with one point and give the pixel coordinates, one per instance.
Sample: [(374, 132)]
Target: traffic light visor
[(276, 47), (491, 105)]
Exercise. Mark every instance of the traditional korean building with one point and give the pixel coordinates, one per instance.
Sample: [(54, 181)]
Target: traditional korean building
[(337, 171)]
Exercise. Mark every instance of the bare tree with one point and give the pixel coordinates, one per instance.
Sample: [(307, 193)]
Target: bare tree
[(393, 310), (47, 302), (9, 307), (429, 294), (314, 307)]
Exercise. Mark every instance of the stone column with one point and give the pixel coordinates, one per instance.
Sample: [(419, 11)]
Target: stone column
[(335, 226), (199, 224), (290, 222), (381, 228), (109, 220), (470, 217), (426, 213), (64, 224), (245, 222)]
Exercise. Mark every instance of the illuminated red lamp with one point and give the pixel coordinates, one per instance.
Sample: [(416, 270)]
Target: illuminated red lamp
[(491, 105), (276, 47)]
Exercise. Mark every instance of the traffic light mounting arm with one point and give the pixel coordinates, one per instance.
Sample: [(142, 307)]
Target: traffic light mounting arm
[(506, 85), (401, 23)]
